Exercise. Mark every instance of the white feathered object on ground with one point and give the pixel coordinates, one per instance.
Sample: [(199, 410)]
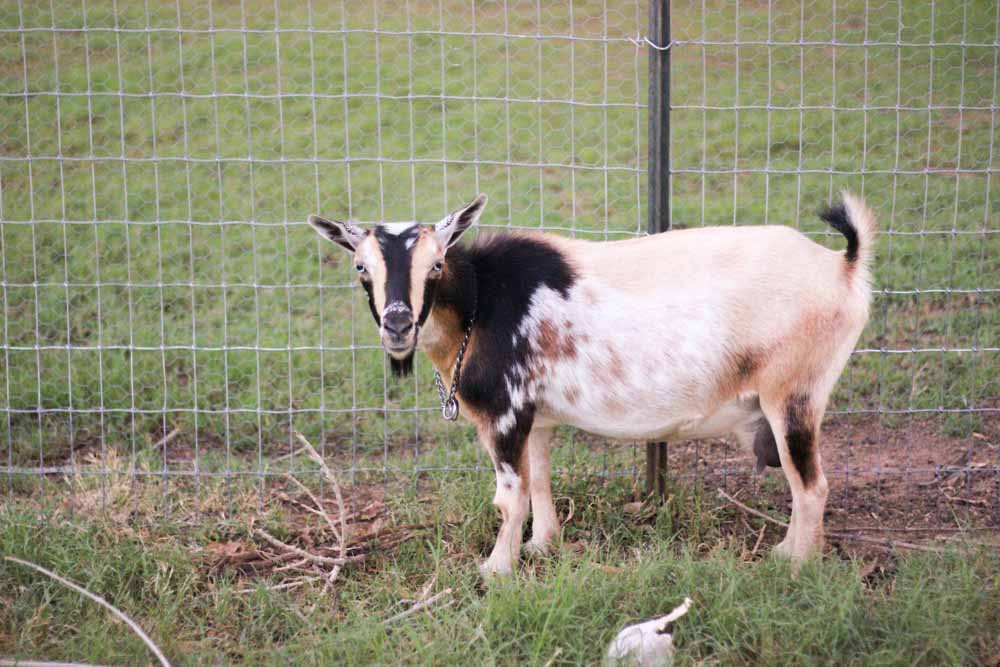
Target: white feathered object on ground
[(648, 644)]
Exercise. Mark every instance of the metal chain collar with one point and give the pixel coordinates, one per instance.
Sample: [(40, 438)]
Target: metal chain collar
[(449, 404)]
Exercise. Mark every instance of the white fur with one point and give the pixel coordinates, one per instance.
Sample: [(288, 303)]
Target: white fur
[(396, 228), (544, 520), (658, 358), (512, 499)]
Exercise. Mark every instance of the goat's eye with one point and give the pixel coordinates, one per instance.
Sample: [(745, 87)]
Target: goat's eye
[(438, 266), (360, 268)]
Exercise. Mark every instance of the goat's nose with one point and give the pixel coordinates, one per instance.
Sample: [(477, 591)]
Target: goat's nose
[(398, 323)]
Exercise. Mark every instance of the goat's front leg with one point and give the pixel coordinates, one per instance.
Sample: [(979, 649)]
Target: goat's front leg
[(544, 520), (509, 451)]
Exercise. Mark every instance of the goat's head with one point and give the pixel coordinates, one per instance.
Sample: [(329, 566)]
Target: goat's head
[(399, 266)]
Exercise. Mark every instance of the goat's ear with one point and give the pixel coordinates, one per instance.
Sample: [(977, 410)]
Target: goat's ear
[(448, 231), (345, 234)]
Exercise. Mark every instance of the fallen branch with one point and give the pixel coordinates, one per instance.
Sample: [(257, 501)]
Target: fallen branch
[(319, 511), (967, 501), (750, 510), (289, 455), (760, 538), (167, 439), (420, 606), (101, 601), (328, 473), (835, 535), (287, 585), (887, 544), (302, 553), (910, 529)]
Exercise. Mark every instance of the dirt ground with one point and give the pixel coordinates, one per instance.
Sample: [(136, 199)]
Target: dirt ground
[(907, 475)]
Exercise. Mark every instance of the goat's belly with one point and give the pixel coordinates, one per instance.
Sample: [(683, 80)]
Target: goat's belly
[(654, 420)]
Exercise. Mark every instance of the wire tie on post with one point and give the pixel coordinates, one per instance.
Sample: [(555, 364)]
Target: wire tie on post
[(640, 38)]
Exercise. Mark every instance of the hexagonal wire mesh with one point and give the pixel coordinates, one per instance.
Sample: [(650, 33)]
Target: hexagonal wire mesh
[(167, 312)]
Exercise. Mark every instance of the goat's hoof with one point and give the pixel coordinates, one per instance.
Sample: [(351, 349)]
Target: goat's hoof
[(784, 549), (538, 548), (490, 568)]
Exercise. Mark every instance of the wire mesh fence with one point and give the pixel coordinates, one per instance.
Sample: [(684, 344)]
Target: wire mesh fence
[(167, 311)]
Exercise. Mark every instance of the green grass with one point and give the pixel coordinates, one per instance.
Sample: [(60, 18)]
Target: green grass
[(252, 328), (928, 609)]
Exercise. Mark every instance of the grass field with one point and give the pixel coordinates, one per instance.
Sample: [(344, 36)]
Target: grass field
[(158, 277), (620, 565)]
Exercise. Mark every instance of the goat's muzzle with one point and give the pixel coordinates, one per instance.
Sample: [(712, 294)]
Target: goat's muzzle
[(399, 332)]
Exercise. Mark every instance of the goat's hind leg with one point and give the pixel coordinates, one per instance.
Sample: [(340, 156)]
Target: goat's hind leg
[(544, 520), (795, 421)]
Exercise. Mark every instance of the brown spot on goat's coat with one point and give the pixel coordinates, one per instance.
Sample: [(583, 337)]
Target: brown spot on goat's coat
[(554, 345), (746, 364)]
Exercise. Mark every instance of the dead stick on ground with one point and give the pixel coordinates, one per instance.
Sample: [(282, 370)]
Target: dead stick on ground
[(910, 529), (886, 544), (836, 535), (420, 606), (101, 601), (290, 455), (760, 538), (167, 439), (750, 510), (319, 508), (295, 583), (328, 473), (322, 560)]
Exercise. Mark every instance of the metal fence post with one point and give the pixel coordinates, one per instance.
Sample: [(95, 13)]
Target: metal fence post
[(659, 179)]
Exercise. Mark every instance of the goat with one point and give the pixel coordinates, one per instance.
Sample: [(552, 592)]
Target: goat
[(692, 334)]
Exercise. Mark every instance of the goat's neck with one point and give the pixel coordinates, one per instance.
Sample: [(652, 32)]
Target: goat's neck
[(453, 311)]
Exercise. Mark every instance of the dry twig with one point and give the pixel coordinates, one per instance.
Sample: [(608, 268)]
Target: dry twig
[(167, 439), (302, 553), (835, 535), (319, 508), (760, 538), (283, 586), (101, 601), (420, 606), (328, 473)]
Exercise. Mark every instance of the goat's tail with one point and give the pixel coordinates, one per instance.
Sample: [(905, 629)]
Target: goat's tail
[(852, 218)]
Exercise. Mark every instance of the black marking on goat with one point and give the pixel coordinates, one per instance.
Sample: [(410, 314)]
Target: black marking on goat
[(836, 216), (801, 437), (497, 276), (430, 292), (509, 445), (765, 447), (398, 261), (401, 367), (367, 284)]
